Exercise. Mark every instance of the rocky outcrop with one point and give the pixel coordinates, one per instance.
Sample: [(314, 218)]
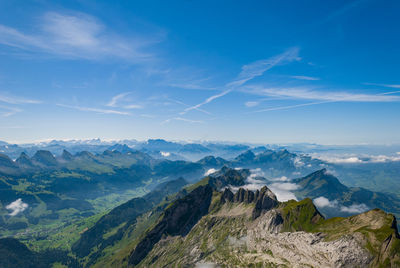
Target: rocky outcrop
[(302, 249), (264, 199), (178, 219)]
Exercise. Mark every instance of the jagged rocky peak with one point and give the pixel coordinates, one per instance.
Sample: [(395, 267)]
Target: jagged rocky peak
[(263, 199)]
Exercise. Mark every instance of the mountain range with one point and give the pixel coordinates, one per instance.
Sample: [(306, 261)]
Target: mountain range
[(88, 206)]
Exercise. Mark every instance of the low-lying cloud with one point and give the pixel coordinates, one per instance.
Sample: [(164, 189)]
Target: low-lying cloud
[(345, 159), (354, 209), (283, 191), (323, 202), (16, 207), (210, 171), (165, 154)]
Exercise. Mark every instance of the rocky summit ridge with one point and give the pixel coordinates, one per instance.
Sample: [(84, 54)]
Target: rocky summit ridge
[(220, 227)]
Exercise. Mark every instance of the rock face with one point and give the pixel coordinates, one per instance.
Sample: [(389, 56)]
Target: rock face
[(303, 249), (178, 219), (263, 199)]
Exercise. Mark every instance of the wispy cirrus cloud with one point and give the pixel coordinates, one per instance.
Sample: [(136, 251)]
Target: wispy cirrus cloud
[(9, 111), (288, 107), (187, 105), (251, 103), (77, 35), (13, 104), (249, 72), (383, 85), (183, 120), (258, 68), (96, 110), (122, 101), (321, 95), (303, 77), (17, 100), (208, 100)]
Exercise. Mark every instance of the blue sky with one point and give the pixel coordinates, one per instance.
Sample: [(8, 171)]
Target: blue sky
[(248, 71)]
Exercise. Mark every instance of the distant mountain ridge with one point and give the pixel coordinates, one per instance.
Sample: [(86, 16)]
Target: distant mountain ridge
[(323, 184)]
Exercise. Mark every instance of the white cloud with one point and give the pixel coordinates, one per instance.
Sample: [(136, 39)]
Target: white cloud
[(114, 100), (290, 106), (254, 181), (8, 111), (132, 106), (17, 207), (322, 202), (251, 103), (283, 178), (302, 93), (210, 171), (258, 68), (283, 191), (345, 159), (187, 105), (165, 154), (302, 77), (208, 100), (123, 98), (249, 72), (17, 100), (297, 162), (354, 209), (183, 120), (76, 35), (349, 160), (96, 110), (383, 85)]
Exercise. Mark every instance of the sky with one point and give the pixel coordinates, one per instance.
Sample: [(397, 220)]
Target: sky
[(247, 71)]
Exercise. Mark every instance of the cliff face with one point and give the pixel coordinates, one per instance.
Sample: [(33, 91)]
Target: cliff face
[(178, 219), (263, 199)]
